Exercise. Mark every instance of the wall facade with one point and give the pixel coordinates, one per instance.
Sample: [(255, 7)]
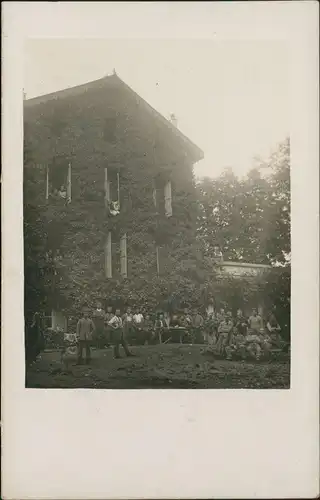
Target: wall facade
[(108, 128)]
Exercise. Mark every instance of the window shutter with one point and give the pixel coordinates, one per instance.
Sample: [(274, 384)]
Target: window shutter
[(47, 182), (108, 256), (158, 260), (123, 256), (106, 187), (154, 195), (168, 199), (118, 188), (69, 184)]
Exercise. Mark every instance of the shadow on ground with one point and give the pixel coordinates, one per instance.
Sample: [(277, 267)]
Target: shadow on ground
[(159, 367)]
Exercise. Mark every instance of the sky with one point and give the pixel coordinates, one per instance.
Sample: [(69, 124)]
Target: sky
[(230, 97)]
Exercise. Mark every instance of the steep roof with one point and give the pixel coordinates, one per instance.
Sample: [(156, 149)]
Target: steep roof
[(101, 83)]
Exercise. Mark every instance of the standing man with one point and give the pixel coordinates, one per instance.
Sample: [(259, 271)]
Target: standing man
[(274, 330), (241, 323), (210, 309), (128, 323), (198, 323), (159, 327), (85, 332), (255, 322), (109, 315), (225, 331), (118, 335), (99, 319), (138, 317), (137, 323)]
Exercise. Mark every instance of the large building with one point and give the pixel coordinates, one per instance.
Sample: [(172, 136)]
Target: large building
[(115, 180)]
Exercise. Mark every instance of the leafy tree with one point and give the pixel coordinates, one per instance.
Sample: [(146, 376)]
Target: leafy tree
[(249, 218)]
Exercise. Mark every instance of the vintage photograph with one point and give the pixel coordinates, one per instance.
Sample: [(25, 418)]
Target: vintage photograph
[(156, 214)]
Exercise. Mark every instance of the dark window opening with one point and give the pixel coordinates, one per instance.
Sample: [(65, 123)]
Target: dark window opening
[(58, 180), (109, 131)]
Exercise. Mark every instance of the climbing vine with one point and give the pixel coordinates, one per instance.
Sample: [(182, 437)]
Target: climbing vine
[(142, 154)]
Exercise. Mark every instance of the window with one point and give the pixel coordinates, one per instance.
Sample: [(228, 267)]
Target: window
[(163, 260), (116, 257), (109, 131), (123, 256), (112, 191), (106, 186), (168, 199), (58, 181), (108, 256), (158, 260), (154, 195)]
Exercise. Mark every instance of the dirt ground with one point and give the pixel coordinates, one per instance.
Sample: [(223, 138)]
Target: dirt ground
[(175, 366)]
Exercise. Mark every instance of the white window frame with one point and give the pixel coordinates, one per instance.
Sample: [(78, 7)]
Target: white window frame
[(154, 195), (69, 186), (47, 182), (123, 256), (168, 199), (106, 187), (158, 259), (108, 256)]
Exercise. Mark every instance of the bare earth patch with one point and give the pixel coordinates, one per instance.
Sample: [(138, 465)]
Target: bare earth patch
[(172, 366)]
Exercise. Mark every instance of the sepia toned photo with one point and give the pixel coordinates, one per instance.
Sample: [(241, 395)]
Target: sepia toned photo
[(156, 188)]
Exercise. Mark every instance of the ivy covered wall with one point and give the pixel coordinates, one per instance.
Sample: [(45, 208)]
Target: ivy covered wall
[(108, 126)]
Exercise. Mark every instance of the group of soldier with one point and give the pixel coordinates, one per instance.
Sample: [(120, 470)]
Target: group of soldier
[(228, 336)]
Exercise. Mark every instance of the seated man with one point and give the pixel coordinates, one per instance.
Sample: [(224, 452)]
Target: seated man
[(265, 342), (175, 321), (211, 329), (69, 350), (186, 320), (274, 330), (253, 344), (236, 345)]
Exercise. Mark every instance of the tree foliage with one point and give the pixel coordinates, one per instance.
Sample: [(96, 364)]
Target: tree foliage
[(249, 218)]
